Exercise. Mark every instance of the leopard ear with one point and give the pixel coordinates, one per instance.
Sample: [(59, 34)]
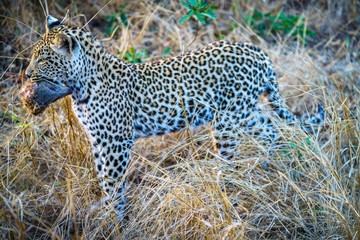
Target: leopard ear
[(62, 44), (52, 23)]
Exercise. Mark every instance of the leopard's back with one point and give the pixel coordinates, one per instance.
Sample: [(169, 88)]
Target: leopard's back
[(220, 77)]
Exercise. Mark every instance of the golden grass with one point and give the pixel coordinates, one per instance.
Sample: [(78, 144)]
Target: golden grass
[(178, 188)]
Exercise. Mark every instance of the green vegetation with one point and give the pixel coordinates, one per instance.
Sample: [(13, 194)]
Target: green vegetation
[(166, 51), (131, 56), (200, 9), (5, 116), (115, 20), (266, 23)]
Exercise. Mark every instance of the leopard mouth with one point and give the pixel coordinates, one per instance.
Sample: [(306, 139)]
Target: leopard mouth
[(38, 95)]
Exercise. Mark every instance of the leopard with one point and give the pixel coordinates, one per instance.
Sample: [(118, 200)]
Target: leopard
[(117, 102)]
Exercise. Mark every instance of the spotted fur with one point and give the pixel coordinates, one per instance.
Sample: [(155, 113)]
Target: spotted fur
[(117, 102)]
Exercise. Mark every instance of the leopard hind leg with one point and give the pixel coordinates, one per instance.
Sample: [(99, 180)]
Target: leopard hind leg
[(231, 128), (308, 124)]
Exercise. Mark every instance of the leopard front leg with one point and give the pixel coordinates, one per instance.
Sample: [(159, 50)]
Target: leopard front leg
[(111, 163)]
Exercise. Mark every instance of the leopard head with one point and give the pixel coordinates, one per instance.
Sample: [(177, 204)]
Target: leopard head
[(55, 67)]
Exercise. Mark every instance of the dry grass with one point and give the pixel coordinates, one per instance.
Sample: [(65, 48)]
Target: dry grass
[(308, 189)]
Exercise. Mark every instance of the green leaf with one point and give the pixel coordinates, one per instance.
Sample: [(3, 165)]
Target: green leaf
[(273, 17), (124, 20), (15, 118), (132, 51), (310, 33), (210, 15), (192, 2), (200, 17), (23, 124), (282, 15), (141, 53), (186, 4), (256, 12), (233, 25), (167, 50), (308, 141), (292, 145), (213, 7), (201, 6), (123, 6), (185, 18), (275, 24)]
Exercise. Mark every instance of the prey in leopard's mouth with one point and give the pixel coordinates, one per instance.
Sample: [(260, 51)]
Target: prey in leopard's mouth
[(37, 96)]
